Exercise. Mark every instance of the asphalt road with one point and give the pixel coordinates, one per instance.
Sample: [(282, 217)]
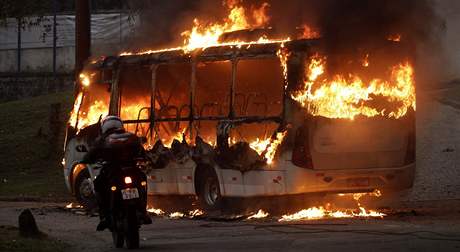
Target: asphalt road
[(431, 226), (438, 145)]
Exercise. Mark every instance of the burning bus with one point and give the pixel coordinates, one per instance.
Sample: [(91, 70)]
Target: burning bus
[(247, 116)]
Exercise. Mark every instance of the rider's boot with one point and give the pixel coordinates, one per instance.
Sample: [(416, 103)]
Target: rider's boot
[(103, 223), (103, 213)]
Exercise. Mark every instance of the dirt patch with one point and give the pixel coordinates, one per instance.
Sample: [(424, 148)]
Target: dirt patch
[(11, 241)]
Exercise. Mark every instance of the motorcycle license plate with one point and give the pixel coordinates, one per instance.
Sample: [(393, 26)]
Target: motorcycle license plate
[(130, 193)]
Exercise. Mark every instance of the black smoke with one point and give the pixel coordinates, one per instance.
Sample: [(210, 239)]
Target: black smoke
[(343, 24)]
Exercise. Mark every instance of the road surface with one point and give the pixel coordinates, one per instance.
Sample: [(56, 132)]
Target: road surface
[(431, 226)]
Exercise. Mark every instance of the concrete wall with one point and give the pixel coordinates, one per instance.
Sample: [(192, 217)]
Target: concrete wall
[(109, 33), (38, 60)]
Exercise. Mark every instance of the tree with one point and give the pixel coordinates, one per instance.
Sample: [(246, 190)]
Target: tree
[(23, 9)]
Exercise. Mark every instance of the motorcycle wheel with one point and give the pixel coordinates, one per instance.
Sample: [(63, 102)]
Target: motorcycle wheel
[(132, 230), (118, 239)]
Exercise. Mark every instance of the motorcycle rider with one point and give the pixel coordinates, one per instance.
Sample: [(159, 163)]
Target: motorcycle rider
[(115, 146)]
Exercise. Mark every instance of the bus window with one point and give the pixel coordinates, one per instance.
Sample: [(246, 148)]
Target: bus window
[(212, 90), (95, 102), (212, 95), (135, 86), (259, 88), (172, 101), (172, 94)]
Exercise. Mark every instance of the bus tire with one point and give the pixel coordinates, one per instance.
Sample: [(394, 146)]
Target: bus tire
[(84, 191), (209, 196)]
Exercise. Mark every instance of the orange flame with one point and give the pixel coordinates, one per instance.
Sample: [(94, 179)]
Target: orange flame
[(195, 213), (308, 33), (85, 79), (395, 37), (321, 212), (366, 61), (259, 215), (98, 109), (155, 211), (342, 97), (206, 34), (260, 15), (131, 109), (283, 55), (315, 213), (268, 147), (86, 118), (76, 107), (176, 215), (178, 136)]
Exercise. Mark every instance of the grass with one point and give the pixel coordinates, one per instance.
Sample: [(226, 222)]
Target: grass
[(11, 241), (30, 154)]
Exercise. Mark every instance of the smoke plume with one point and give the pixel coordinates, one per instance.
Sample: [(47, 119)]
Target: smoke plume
[(343, 24)]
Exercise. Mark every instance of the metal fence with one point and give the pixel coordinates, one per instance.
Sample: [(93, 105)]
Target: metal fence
[(50, 45)]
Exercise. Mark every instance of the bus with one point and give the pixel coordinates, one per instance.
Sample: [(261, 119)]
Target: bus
[(237, 122)]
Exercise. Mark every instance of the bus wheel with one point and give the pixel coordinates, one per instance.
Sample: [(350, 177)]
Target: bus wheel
[(84, 190), (209, 195)]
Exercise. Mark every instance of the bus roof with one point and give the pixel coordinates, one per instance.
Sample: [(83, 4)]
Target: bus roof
[(217, 53)]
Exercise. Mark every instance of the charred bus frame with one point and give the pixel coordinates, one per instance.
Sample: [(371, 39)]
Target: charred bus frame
[(298, 50), (231, 54)]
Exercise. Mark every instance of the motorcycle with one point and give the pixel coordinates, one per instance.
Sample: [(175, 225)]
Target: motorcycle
[(128, 191)]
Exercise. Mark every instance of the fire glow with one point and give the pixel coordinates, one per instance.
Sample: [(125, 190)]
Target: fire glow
[(309, 33), (312, 213), (207, 34), (316, 213), (324, 212), (155, 211), (80, 119), (268, 147), (85, 80), (259, 215), (343, 97), (73, 206), (176, 215), (98, 109)]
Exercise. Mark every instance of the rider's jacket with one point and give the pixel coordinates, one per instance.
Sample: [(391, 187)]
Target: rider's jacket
[(116, 147)]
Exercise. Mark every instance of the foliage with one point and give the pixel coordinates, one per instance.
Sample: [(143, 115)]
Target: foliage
[(22, 9), (25, 9)]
